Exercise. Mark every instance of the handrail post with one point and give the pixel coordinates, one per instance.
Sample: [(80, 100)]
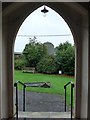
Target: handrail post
[(24, 86), (72, 86), (24, 97), (15, 85), (65, 97), (66, 93)]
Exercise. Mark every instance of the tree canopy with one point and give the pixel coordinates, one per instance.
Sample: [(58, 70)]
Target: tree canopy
[(33, 53), (65, 58)]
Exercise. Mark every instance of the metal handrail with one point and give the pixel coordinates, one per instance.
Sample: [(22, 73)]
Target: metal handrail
[(65, 92), (67, 84), (72, 86), (20, 83), (24, 86)]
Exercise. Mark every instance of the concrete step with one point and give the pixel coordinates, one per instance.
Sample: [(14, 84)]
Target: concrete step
[(44, 114)]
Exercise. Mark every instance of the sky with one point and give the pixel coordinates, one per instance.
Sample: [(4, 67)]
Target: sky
[(46, 28)]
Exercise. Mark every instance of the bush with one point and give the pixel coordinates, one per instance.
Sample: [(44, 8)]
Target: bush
[(47, 65), (19, 64)]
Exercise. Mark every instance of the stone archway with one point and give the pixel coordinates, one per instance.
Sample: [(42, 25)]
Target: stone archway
[(77, 20)]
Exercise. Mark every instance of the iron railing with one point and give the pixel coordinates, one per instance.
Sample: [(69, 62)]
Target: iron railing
[(24, 86), (65, 87), (33, 84)]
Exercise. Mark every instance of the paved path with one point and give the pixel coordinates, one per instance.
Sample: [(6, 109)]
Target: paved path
[(42, 102)]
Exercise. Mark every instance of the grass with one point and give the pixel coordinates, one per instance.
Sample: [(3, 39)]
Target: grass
[(57, 83)]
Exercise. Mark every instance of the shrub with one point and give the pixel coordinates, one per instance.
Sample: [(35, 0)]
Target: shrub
[(19, 64), (47, 65)]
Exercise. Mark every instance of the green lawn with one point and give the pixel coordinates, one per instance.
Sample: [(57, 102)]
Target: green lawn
[(57, 82)]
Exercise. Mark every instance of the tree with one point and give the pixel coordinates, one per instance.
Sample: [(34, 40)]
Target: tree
[(65, 58), (34, 52), (47, 65)]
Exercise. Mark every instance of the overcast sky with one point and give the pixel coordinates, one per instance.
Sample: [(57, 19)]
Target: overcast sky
[(37, 24)]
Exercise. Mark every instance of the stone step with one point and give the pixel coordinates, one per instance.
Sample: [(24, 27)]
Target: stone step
[(44, 114)]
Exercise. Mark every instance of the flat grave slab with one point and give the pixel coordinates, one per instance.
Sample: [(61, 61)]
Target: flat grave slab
[(38, 84)]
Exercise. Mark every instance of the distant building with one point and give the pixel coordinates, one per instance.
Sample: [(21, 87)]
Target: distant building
[(50, 48), (17, 54)]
